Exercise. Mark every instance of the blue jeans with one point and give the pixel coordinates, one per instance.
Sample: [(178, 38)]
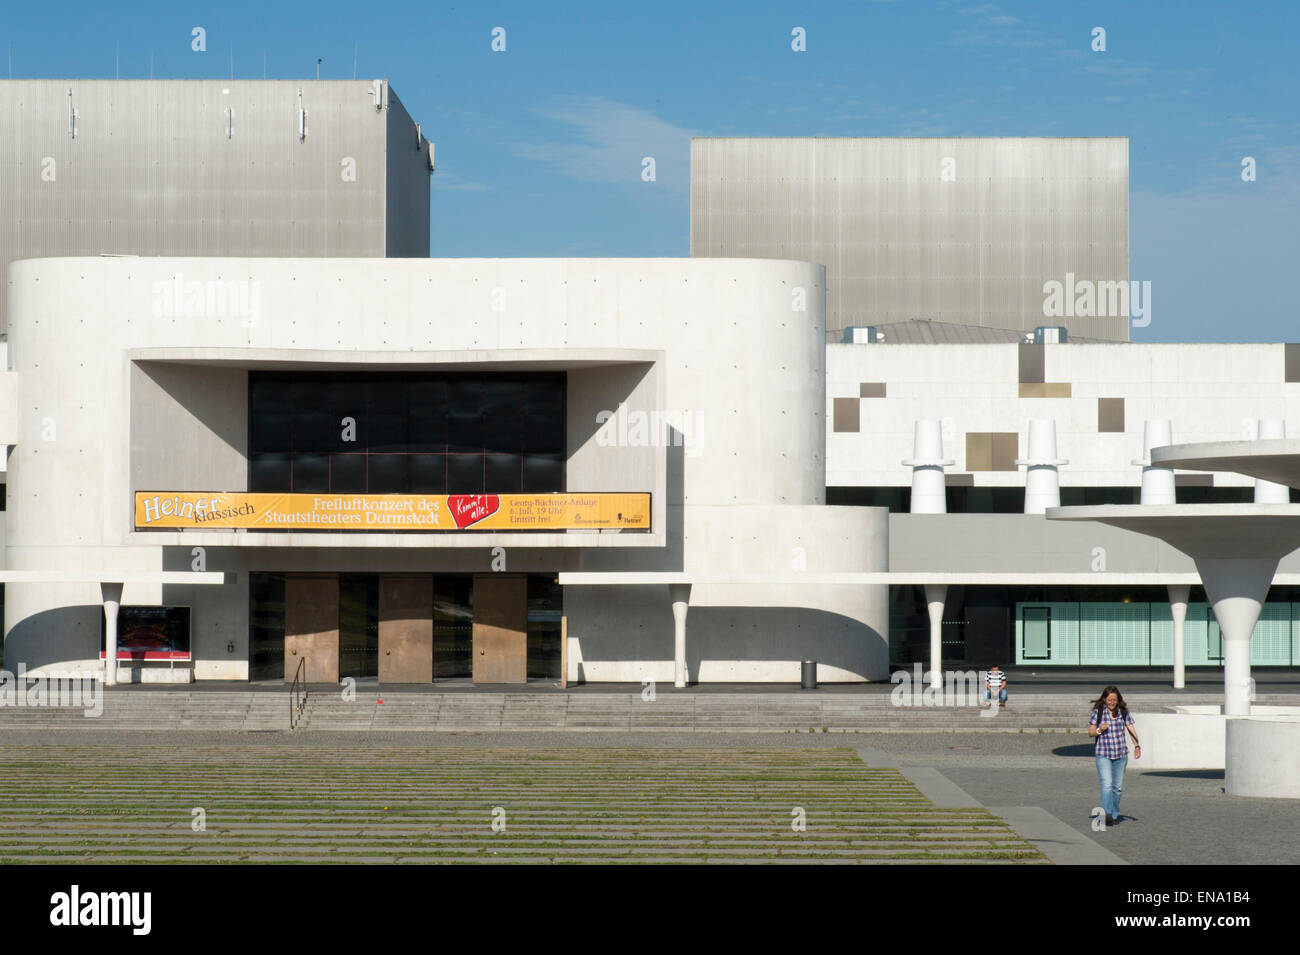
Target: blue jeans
[(1002, 695), (1111, 773)]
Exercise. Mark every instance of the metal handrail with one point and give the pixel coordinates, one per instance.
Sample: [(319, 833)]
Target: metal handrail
[(298, 694)]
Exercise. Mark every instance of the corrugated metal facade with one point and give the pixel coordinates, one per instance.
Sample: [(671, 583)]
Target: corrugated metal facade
[(954, 230), (203, 168)]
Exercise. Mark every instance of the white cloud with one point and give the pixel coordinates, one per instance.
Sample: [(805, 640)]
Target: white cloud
[(454, 183), (608, 140)]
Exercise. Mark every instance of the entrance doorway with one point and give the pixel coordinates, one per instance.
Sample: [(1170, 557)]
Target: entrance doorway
[(311, 628), (405, 628), (500, 629)]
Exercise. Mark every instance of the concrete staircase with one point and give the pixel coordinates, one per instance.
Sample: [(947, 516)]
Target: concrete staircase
[(823, 711)]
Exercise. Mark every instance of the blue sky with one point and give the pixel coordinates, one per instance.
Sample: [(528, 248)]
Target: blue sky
[(539, 147)]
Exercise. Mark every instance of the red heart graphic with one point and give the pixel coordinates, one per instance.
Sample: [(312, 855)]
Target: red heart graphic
[(467, 509)]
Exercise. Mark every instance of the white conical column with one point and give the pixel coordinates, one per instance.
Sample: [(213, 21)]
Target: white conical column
[(935, 596), (1178, 594), (929, 493), (112, 597), (1042, 481), (680, 596), (1157, 483), (1237, 587), (1267, 492)]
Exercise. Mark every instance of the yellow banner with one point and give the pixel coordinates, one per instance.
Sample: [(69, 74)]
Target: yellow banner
[(391, 512)]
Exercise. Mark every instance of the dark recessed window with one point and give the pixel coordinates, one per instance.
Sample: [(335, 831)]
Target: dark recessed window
[(411, 433)]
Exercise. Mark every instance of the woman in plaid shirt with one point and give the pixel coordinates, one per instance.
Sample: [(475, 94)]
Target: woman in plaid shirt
[(1110, 718)]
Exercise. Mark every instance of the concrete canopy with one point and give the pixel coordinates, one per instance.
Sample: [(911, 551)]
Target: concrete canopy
[(1202, 530), (1271, 459), (1236, 548)]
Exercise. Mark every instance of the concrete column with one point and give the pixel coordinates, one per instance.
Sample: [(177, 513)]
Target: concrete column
[(680, 595), (1178, 610), (935, 596), (929, 492), (1267, 492), (1237, 587), (1042, 480), (1157, 483), (112, 597)]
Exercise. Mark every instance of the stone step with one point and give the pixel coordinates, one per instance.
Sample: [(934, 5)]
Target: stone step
[(460, 710)]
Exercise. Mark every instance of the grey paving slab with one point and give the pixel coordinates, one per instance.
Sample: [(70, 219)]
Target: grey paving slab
[(877, 758), (1060, 843), (939, 790)]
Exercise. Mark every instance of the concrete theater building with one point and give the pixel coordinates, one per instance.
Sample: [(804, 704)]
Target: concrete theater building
[(809, 441), (365, 380)]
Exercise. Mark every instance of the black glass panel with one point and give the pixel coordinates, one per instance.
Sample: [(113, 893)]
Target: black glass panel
[(270, 472), (348, 473), (388, 474), (390, 433), (501, 472), (545, 606), (465, 415), (427, 473), (543, 472), (269, 430), (537, 432), (345, 404), (427, 416), (314, 429), (453, 627), (311, 473), (502, 408), (465, 474), (387, 424), (266, 626), (358, 625)]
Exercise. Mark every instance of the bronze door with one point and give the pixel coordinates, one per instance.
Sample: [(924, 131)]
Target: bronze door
[(311, 628), (500, 629), (405, 629)]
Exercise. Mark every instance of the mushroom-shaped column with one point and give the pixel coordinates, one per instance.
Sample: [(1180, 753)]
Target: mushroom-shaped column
[(1042, 481), (1236, 548), (929, 493), (1157, 482)]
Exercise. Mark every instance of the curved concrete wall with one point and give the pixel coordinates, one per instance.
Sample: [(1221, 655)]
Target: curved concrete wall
[(625, 633), (1263, 756)]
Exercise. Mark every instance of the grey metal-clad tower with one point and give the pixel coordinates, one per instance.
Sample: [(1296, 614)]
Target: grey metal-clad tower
[(965, 231), (209, 168)]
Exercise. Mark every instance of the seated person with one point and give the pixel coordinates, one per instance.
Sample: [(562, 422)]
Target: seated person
[(995, 681)]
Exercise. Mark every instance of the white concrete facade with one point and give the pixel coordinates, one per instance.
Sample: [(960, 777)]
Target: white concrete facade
[(120, 395), (1209, 392)]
